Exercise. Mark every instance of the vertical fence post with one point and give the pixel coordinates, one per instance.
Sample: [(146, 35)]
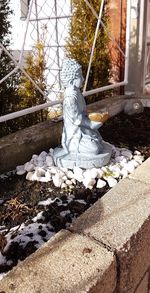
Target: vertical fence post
[(138, 24)]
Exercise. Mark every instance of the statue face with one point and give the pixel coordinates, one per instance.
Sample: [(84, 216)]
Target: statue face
[(78, 81)]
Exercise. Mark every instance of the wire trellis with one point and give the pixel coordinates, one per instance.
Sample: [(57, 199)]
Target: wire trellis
[(48, 22)]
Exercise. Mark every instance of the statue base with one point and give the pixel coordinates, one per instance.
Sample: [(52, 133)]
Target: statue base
[(85, 161)]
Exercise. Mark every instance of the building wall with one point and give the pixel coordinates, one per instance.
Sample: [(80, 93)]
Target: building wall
[(117, 26)]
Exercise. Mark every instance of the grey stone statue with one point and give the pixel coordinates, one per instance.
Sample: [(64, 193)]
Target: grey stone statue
[(82, 144)]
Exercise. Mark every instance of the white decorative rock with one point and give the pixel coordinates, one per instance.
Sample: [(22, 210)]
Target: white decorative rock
[(127, 153), (100, 173), (20, 170), (77, 170), (78, 177), (100, 183), (139, 159), (64, 177), (111, 181), (137, 153), (124, 173), (28, 167), (89, 182), (64, 185), (117, 153), (129, 167), (48, 176), (53, 170), (29, 176), (104, 169), (51, 151), (120, 159), (94, 173), (65, 170), (57, 180), (43, 155), (73, 181), (70, 174), (49, 161), (135, 163), (40, 162), (40, 172), (115, 171), (68, 182), (43, 179), (34, 157)]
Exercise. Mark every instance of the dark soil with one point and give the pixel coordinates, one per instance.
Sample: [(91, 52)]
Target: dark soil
[(19, 198), (132, 132)]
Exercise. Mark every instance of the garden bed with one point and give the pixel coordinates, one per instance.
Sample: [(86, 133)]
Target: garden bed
[(39, 209)]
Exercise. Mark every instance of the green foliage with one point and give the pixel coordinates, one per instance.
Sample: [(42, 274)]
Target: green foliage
[(80, 40), (29, 94), (8, 95), (17, 92)]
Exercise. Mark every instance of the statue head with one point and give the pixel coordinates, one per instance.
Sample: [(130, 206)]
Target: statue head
[(71, 73)]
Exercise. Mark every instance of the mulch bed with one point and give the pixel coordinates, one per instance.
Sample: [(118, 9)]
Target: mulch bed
[(19, 198)]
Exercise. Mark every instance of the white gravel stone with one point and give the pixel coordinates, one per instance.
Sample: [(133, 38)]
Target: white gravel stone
[(49, 161), (100, 183), (73, 181), (127, 153), (78, 177), (29, 176), (20, 170), (77, 170), (115, 170), (68, 182), (120, 159), (70, 174), (64, 177), (104, 169), (124, 173), (135, 163), (138, 158), (40, 172), (65, 170), (129, 167), (34, 157), (40, 162), (111, 181), (57, 180), (53, 170), (94, 173), (48, 176), (41, 168), (89, 182), (28, 167), (43, 179), (63, 185), (51, 151), (43, 155), (117, 153), (137, 153), (100, 173)]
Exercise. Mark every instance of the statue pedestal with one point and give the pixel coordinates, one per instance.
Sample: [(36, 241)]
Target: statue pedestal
[(85, 161)]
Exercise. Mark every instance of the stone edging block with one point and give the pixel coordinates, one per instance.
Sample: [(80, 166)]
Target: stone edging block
[(68, 263), (121, 221), (18, 148)]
